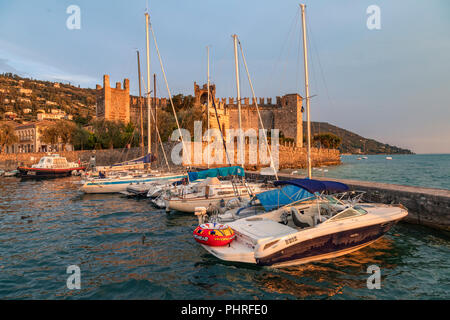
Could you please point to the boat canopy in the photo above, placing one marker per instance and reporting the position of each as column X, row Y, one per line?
column 314, row 186
column 144, row 159
column 217, row 172
column 276, row 198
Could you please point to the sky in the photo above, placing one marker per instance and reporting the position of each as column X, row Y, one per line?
column 390, row 84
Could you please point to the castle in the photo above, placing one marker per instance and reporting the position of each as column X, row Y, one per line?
column 116, row 104
column 286, row 114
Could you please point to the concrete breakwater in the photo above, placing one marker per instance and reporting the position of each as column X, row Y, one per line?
column 426, row 206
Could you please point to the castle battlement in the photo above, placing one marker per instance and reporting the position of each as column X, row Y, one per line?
column 286, row 114
column 114, row 103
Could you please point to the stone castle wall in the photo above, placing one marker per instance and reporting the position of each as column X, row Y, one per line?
column 114, row 103
column 290, row 156
column 286, row 114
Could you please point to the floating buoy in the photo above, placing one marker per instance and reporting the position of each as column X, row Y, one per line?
column 214, row 234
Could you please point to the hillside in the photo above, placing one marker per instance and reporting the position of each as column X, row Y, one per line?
column 354, row 143
column 25, row 97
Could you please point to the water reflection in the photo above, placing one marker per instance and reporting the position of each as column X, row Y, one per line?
column 126, row 249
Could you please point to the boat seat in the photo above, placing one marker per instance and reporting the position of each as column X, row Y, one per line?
column 301, row 219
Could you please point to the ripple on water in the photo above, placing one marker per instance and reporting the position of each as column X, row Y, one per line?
column 128, row 250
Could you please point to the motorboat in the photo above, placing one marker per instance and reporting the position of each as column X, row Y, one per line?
column 12, row 173
column 51, row 166
column 302, row 232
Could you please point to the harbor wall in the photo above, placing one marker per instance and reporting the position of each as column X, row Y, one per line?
column 10, row 161
column 103, row 157
column 289, row 156
column 426, row 206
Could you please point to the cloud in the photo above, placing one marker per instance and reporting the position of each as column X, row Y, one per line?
column 5, row 67
column 24, row 66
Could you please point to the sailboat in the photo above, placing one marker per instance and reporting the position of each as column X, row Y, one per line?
column 121, row 181
column 212, row 193
column 300, row 222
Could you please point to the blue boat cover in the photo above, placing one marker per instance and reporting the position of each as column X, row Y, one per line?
column 314, row 186
column 217, row 172
column 273, row 199
column 144, row 159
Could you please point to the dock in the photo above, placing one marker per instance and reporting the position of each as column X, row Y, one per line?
column 426, row 206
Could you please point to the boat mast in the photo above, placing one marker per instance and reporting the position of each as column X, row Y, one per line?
column 207, row 109
column 236, row 62
column 140, row 105
column 149, row 147
column 155, row 117
column 305, row 58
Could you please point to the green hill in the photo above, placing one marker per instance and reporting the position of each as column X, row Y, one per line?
column 18, row 94
column 354, row 143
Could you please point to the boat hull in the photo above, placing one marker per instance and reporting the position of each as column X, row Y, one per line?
column 44, row 173
column 120, row 185
column 189, row 205
column 326, row 246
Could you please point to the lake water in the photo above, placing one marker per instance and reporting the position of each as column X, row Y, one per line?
column 422, row 170
column 128, row 250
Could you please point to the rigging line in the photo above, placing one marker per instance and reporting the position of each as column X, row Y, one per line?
column 285, row 64
column 314, row 49
column 297, row 68
column 221, row 133
column 157, row 130
column 320, row 66
column 294, row 23
column 170, row 95
column 257, row 109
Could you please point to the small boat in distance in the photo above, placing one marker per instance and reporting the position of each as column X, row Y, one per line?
column 50, row 167
column 11, row 173
column 388, row 158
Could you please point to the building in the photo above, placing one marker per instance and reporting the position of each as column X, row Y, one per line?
column 26, row 91
column 29, row 139
column 113, row 103
column 286, row 114
column 116, row 104
column 9, row 115
column 54, row 115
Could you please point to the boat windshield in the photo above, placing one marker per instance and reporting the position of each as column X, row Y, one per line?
column 349, row 213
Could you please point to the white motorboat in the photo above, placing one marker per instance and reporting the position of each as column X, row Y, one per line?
column 49, row 167
column 303, row 232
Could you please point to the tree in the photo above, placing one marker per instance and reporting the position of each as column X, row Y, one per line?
column 327, row 140
column 50, row 135
column 65, row 131
column 7, row 135
column 82, row 139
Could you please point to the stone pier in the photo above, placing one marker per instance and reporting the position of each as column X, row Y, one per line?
column 426, row 206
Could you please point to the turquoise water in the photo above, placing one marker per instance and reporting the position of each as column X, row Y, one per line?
column 128, row 250
column 422, row 170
